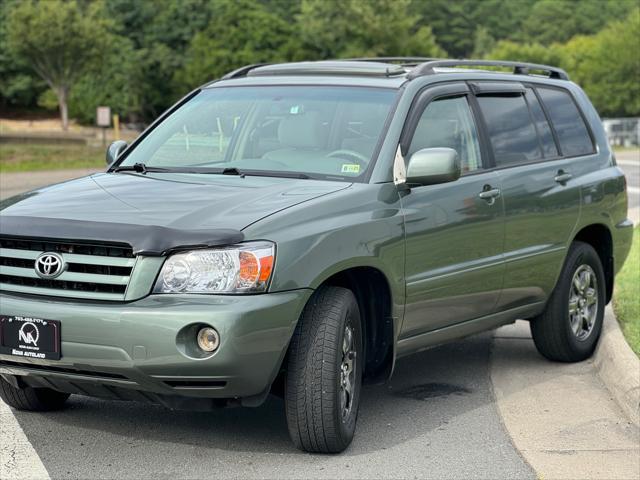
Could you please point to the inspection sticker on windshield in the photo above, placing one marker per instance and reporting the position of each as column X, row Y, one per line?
column 350, row 168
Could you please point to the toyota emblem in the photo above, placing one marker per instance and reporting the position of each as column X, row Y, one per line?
column 49, row 265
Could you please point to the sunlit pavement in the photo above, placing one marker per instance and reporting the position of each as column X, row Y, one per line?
column 436, row 419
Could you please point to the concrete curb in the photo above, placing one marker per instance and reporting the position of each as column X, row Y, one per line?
column 618, row 367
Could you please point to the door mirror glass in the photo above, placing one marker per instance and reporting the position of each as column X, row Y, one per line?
column 114, row 150
column 430, row 166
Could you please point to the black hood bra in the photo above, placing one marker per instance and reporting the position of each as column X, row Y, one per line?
column 151, row 240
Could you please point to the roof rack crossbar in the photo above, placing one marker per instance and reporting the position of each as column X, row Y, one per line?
column 330, row 67
column 400, row 60
column 242, row 71
column 519, row 68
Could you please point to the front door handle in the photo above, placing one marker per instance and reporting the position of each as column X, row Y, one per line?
column 562, row 177
column 489, row 194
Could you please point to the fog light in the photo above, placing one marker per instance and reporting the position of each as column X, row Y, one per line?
column 208, row 339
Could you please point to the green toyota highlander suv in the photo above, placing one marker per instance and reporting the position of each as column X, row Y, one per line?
column 296, row 228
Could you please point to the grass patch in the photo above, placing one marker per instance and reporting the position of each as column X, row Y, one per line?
column 16, row 157
column 618, row 148
column 626, row 300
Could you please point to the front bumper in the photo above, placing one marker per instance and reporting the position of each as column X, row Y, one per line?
column 133, row 350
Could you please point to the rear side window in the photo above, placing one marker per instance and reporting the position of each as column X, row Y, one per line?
column 547, row 143
column 568, row 123
column 511, row 130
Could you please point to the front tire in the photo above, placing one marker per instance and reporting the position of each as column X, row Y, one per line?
column 31, row 399
column 324, row 373
column 569, row 328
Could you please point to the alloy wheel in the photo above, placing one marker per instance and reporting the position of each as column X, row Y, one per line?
column 583, row 302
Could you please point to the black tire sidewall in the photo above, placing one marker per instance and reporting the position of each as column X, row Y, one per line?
column 312, row 382
column 32, row 399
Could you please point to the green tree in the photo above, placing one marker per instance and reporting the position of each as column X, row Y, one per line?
column 483, row 43
column 456, row 23
column 355, row 28
column 115, row 81
column 607, row 66
column 18, row 86
column 528, row 52
column 240, row 32
column 553, row 21
column 59, row 39
column 160, row 32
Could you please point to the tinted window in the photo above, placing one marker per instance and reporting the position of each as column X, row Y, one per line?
column 572, row 132
column 544, row 131
column 448, row 122
column 511, row 129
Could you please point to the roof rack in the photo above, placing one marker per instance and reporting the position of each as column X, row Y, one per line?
column 329, row 67
column 405, row 61
column 242, row 71
column 519, row 68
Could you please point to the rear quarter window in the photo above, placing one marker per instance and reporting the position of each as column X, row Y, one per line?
column 511, row 130
column 544, row 131
column 569, row 125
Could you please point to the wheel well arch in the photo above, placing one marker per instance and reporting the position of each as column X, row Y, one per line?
column 599, row 237
column 374, row 297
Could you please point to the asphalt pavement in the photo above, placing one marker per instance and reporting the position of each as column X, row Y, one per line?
column 436, row 419
column 629, row 162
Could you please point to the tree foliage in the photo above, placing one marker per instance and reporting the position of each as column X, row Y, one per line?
column 455, row 23
column 58, row 39
column 240, row 32
column 606, row 65
column 18, row 85
column 140, row 56
column 553, row 21
column 351, row 28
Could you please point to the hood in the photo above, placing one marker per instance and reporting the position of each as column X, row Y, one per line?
column 154, row 204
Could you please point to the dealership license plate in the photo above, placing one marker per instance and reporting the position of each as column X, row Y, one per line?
column 30, row 337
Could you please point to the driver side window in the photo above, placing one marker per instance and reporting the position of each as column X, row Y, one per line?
column 448, row 122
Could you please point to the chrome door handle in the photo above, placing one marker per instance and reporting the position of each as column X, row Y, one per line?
column 562, row 177
column 489, row 194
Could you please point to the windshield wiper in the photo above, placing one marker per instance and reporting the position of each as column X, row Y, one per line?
column 232, row 171
column 141, row 168
column 260, row 173
column 275, row 173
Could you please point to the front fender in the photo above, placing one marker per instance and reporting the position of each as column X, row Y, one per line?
column 361, row 226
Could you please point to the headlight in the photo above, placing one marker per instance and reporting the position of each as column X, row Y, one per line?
column 243, row 268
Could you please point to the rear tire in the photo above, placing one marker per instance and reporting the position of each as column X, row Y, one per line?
column 324, row 373
column 569, row 328
column 31, row 399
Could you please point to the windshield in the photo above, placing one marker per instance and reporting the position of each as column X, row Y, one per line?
column 317, row 131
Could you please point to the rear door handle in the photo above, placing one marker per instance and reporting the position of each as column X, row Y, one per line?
column 489, row 194
column 562, row 177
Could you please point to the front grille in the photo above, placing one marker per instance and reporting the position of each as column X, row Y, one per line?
column 97, row 272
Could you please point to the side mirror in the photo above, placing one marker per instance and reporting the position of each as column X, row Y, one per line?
column 114, row 150
column 430, row 166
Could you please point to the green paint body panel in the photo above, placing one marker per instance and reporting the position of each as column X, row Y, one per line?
column 454, row 265
column 103, row 337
